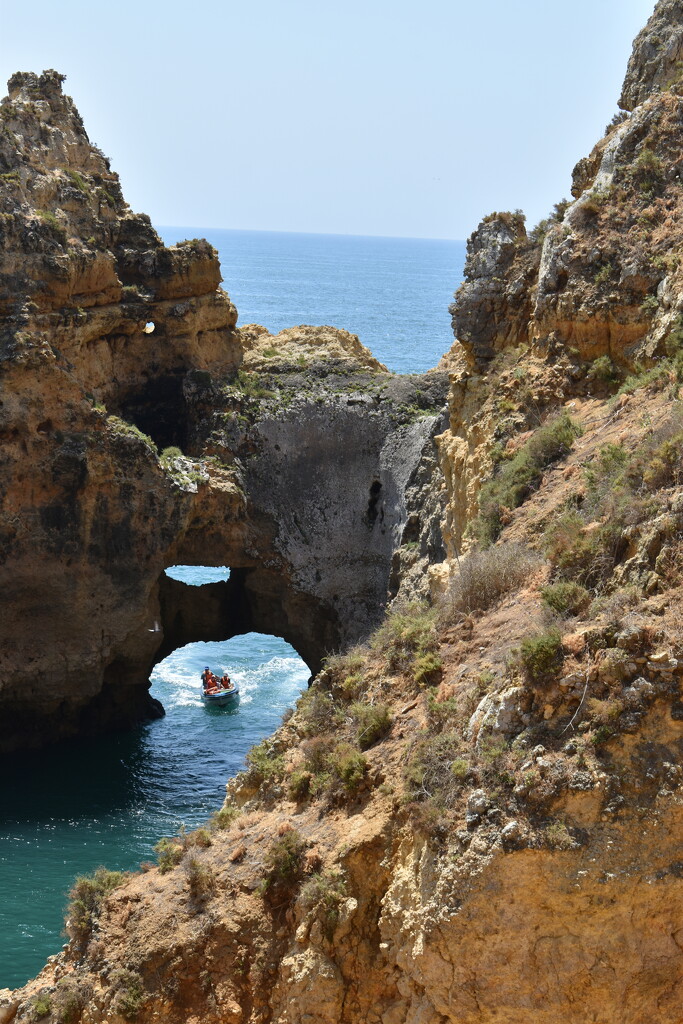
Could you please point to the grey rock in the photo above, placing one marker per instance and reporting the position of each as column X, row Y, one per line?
column 657, row 49
column 513, row 835
column 478, row 802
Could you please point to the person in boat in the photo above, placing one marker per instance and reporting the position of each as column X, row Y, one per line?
column 210, row 681
column 226, row 682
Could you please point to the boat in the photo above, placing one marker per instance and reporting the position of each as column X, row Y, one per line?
column 221, row 698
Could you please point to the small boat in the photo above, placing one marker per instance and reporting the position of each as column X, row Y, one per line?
column 222, row 697
column 217, row 700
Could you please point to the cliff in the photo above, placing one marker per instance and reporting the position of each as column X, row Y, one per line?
column 137, row 434
column 473, row 815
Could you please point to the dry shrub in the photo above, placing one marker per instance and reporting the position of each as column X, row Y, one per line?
column 200, row 877
column 283, row 863
column 317, row 712
column 324, row 894
column 437, row 770
column 86, row 900
column 604, row 712
column 670, row 563
column 614, row 607
column 407, row 632
column 485, row 576
column 558, row 836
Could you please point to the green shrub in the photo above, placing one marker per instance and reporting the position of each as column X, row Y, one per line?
column 521, row 475
column 200, row 837
column 647, row 170
column 439, row 712
column 406, row 632
column 130, row 993
column 125, row 429
column 86, row 899
column 602, row 370
column 602, row 277
column 348, row 767
column 248, row 384
column 541, row 655
column 324, row 894
column 460, row 769
column 299, row 784
column 649, row 305
column 373, row 722
column 41, row 1006
column 264, row 763
column 224, row 817
column 427, row 669
column 602, row 735
column 284, row 862
column 566, row 598
column 169, row 853
column 172, row 452
column 346, row 671
column 577, row 553
column 48, row 218
column 79, row 182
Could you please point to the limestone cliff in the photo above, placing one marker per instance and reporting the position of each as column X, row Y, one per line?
column 115, row 348
column 474, row 815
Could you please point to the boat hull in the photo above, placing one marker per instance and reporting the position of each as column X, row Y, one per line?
column 220, row 699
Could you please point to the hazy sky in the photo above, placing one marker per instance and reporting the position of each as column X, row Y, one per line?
column 364, row 117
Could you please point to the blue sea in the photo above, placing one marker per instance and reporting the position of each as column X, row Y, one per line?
column 65, row 811
column 393, row 293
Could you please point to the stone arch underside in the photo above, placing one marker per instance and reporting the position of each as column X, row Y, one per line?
column 250, row 601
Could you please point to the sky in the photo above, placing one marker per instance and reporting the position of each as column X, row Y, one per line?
column 368, row 117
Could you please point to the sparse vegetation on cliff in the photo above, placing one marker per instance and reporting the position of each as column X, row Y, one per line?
column 483, row 577
column 86, row 899
column 517, row 478
column 284, row 864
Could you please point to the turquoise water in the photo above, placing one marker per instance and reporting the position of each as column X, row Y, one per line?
column 65, row 811
column 392, row 292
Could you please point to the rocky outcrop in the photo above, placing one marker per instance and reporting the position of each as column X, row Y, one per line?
column 297, row 346
column 655, row 63
column 606, row 281
column 492, row 307
column 291, row 470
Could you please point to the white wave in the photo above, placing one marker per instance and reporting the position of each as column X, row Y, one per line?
column 176, row 681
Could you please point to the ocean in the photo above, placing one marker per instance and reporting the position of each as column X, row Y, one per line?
column 393, row 293
column 68, row 810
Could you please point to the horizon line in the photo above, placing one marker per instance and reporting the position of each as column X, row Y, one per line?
column 321, row 234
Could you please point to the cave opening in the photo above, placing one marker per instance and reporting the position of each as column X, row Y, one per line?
column 203, row 625
column 158, row 409
column 373, row 502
